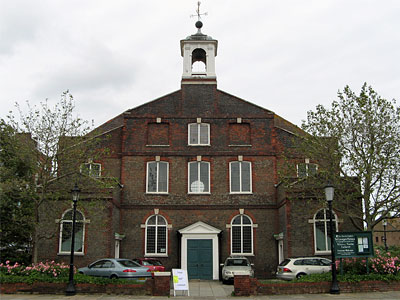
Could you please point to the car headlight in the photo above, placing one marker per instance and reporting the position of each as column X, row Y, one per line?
column 227, row 272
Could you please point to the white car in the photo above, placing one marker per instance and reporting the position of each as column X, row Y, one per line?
column 236, row 264
column 292, row 268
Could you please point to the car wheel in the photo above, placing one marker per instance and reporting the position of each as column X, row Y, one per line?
column 113, row 276
column 300, row 275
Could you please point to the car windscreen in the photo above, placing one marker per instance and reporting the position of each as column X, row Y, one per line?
column 237, row 262
column 128, row 263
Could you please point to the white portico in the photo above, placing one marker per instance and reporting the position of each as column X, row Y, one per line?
column 199, row 251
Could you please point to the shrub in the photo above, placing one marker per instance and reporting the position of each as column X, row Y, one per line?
column 51, row 269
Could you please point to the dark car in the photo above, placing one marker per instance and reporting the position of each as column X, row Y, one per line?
column 153, row 264
column 116, row 268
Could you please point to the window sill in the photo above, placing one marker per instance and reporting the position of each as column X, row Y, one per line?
column 155, row 193
column 241, row 193
column 68, row 254
column 323, row 252
column 199, row 145
column 242, row 254
column 192, row 193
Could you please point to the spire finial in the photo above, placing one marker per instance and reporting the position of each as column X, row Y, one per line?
column 199, row 24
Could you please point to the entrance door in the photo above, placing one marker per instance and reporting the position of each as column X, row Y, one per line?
column 200, row 259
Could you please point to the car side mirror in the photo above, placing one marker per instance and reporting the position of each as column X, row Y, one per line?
column 221, row 265
column 252, row 265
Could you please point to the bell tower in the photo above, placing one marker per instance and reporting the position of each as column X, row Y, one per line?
column 199, row 52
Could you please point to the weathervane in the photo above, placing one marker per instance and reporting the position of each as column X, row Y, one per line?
column 198, row 14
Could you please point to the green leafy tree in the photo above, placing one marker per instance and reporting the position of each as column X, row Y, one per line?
column 356, row 143
column 16, row 191
column 61, row 144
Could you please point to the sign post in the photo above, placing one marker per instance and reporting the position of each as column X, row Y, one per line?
column 180, row 280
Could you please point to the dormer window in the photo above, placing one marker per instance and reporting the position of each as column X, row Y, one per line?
column 306, row 169
column 92, row 169
column 199, row 134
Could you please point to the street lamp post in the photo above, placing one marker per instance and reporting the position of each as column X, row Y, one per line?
column 70, row 291
column 384, row 223
column 329, row 192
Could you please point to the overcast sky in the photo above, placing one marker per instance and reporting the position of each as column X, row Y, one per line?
column 286, row 56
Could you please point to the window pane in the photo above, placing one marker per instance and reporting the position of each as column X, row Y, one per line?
column 162, row 177
column 237, row 220
column 247, row 239
column 235, row 179
column 152, row 220
column 161, row 221
column 95, row 170
column 193, row 134
column 236, row 239
column 204, row 134
column 204, row 174
column 312, row 169
column 161, row 239
column 152, row 177
column 193, row 177
column 151, row 239
column 320, row 236
column 246, row 177
column 246, row 220
column 68, row 215
column 301, row 170
column 66, row 236
column 85, row 169
column 78, row 246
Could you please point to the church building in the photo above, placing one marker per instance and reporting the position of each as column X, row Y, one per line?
column 198, row 181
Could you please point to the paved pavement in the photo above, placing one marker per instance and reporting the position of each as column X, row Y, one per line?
column 210, row 290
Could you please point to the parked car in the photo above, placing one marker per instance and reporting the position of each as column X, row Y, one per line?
column 116, row 268
column 153, row 264
column 292, row 268
column 234, row 264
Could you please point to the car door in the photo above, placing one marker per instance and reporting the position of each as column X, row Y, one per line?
column 95, row 268
column 107, row 268
column 325, row 265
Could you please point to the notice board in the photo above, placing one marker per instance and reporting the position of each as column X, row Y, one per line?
column 180, row 280
column 353, row 244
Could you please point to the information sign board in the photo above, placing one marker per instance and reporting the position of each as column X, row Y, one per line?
column 353, row 244
column 180, row 280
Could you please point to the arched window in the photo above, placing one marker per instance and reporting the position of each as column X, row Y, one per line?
column 66, row 232
column 322, row 230
column 156, row 236
column 241, row 235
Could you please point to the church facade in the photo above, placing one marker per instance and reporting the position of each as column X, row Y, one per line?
column 198, row 181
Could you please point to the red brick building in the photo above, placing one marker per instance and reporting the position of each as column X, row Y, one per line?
column 198, row 181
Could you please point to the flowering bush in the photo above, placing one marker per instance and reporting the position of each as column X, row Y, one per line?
column 51, row 269
column 383, row 263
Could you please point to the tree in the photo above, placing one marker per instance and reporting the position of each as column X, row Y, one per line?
column 62, row 145
column 357, row 145
column 16, row 190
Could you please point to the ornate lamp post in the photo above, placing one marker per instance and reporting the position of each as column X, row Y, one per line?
column 70, row 291
column 384, row 223
column 329, row 192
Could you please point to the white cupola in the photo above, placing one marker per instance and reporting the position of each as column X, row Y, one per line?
column 199, row 52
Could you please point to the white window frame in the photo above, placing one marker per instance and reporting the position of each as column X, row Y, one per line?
column 62, row 222
column 90, row 164
column 251, row 225
column 307, row 168
column 158, row 174
column 198, row 176
column 240, row 178
column 198, row 134
column 155, row 254
column 325, row 220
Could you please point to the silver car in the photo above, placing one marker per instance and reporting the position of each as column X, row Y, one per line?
column 116, row 268
column 292, row 268
column 236, row 264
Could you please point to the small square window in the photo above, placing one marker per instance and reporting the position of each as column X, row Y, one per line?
column 91, row 169
column 306, row 169
column 199, row 134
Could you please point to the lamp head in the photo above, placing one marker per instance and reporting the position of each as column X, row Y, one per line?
column 384, row 222
column 75, row 193
column 329, row 192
